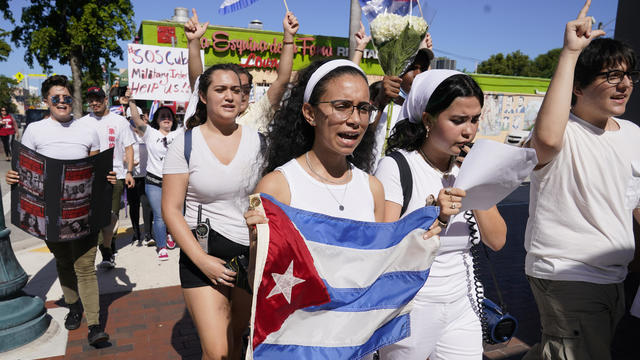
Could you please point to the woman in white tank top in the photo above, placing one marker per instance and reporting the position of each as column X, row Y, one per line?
column 318, row 157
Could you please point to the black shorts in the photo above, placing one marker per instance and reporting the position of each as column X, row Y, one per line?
column 219, row 246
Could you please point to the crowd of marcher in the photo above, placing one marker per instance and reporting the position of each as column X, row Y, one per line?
column 331, row 143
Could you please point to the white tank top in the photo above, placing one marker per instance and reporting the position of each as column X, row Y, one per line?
column 309, row 194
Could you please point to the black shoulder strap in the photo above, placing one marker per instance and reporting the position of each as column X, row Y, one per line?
column 187, row 145
column 263, row 142
column 406, row 180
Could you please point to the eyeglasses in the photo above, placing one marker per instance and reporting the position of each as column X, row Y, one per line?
column 615, row 77
column 165, row 142
column 344, row 108
column 65, row 99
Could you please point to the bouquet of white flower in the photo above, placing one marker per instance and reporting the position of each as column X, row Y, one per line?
column 396, row 33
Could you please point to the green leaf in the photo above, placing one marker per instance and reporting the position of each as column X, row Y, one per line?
column 397, row 54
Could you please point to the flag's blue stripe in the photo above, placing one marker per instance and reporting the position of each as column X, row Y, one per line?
column 356, row 234
column 392, row 332
column 235, row 6
column 391, row 290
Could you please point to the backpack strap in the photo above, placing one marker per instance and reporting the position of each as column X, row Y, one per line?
column 187, row 145
column 406, row 180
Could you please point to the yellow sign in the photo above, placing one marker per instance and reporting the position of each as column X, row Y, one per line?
column 18, row 76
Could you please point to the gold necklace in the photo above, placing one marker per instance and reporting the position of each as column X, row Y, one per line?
column 426, row 159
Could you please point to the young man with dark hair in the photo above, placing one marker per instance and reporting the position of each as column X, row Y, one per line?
column 114, row 132
column 585, row 194
column 60, row 136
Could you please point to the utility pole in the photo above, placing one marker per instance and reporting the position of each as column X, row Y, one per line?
column 354, row 25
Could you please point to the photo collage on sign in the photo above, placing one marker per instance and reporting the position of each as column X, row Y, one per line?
column 30, row 199
column 76, row 200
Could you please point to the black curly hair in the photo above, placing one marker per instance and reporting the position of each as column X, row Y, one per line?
column 410, row 136
column 154, row 122
column 289, row 135
column 200, row 116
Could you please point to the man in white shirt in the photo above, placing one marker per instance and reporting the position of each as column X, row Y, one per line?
column 585, row 194
column 114, row 132
column 62, row 137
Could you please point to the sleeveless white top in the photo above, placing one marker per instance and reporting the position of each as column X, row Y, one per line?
column 309, row 194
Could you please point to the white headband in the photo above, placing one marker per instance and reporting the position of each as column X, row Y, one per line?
column 422, row 88
column 322, row 71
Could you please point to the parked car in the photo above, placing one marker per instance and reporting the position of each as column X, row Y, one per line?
column 34, row 115
column 517, row 137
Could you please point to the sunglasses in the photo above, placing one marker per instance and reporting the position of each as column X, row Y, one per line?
column 64, row 99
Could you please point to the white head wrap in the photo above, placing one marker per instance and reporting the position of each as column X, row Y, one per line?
column 322, row 71
column 422, row 88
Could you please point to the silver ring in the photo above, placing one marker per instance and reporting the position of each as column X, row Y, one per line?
column 453, row 205
column 219, row 279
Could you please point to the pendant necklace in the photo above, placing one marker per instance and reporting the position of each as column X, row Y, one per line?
column 443, row 174
column 325, row 181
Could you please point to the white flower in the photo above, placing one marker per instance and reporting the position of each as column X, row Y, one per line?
column 387, row 26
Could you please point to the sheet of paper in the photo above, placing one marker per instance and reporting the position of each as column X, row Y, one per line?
column 491, row 171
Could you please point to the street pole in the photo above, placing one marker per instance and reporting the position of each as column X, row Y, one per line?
column 354, row 25
column 23, row 318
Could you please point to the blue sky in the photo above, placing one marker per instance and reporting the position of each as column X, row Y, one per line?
column 468, row 31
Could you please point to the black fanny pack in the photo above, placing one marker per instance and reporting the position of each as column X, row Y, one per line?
column 153, row 180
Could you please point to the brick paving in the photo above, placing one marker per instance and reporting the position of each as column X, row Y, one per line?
column 145, row 324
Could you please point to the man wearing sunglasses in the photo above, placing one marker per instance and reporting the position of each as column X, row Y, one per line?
column 60, row 136
column 585, row 194
column 114, row 132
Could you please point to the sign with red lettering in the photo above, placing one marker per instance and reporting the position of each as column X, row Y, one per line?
column 159, row 73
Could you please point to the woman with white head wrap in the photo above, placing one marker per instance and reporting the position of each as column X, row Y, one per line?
column 442, row 113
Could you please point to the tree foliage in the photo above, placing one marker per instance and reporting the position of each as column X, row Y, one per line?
column 7, row 92
column 5, row 48
column 81, row 33
column 519, row 64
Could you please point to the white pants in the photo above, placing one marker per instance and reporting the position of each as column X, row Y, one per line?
column 440, row 331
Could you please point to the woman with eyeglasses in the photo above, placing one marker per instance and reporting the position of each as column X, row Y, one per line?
column 157, row 136
column 8, row 128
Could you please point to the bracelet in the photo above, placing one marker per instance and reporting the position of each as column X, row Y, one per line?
column 442, row 223
column 362, row 51
column 288, row 42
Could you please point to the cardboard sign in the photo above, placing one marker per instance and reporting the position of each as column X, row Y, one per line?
column 60, row 200
column 158, row 73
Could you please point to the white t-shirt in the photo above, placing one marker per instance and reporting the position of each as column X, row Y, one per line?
column 580, row 225
column 140, row 156
column 64, row 141
column 222, row 190
column 114, row 132
column 448, row 277
column 157, row 146
column 309, row 194
column 381, row 129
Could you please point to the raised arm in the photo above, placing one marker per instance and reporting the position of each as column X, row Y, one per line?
column 135, row 114
column 362, row 39
column 276, row 90
column 194, row 30
column 553, row 116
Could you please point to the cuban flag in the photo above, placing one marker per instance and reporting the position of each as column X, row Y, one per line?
column 332, row 288
column 229, row 6
column 154, row 107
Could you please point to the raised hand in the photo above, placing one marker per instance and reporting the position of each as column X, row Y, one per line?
column 427, row 42
column 193, row 29
column 290, row 24
column 362, row 39
column 578, row 33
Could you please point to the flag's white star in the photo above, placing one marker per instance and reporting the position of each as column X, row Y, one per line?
column 284, row 283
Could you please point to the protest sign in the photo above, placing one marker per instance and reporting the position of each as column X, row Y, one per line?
column 158, row 73
column 60, row 200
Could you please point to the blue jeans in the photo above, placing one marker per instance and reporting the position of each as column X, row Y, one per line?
column 154, row 193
